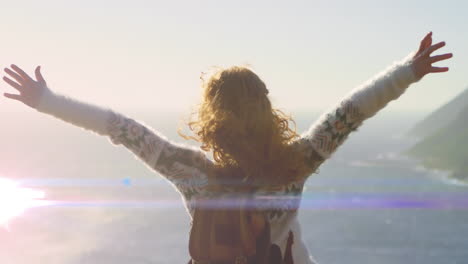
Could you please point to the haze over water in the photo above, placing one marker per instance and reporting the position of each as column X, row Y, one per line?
column 365, row 205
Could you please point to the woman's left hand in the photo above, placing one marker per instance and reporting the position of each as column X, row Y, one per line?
column 422, row 60
column 30, row 90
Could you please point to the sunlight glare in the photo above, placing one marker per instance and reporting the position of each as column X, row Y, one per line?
column 14, row 200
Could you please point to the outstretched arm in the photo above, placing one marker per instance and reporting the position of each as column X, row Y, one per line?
column 182, row 165
column 334, row 126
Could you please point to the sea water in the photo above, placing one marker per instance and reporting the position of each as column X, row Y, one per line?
column 367, row 204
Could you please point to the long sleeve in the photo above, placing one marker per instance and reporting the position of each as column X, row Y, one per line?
column 333, row 127
column 184, row 166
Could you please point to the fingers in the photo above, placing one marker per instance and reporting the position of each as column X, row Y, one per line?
column 13, row 83
column 21, row 73
column 434, row 47
column 428, row 39
column 426, row 42
column 422, row 60
column 440, row 57
column 421, row 46
column 14, row 75
column 439, row 69
column 39, row 77
column 13, row 96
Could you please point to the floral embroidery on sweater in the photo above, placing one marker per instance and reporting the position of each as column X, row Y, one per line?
column 333, row 128
column 183, row 166
column 286, row 201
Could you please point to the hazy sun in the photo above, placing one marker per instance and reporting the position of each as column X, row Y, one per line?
column 14, row 200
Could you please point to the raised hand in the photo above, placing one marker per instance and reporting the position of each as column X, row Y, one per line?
column 30, row 90
column 422, row 60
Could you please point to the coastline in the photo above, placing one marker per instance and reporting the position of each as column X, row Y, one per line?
column 446, row 175
column 400, row 159
column 423, row 164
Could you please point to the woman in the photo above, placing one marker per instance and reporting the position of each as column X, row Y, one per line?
column 252, row 143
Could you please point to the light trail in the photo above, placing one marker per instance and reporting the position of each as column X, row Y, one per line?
column 322, row 202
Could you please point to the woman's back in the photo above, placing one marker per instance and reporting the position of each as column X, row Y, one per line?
column 192, row 172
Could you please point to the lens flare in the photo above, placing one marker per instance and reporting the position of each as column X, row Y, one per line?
column 14, row 200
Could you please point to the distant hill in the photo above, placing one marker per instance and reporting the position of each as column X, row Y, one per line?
column 441, row 117
column 447, row 147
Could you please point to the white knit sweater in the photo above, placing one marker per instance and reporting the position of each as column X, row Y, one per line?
column 185, row 166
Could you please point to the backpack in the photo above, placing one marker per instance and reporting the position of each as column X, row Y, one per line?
column 234, row 234
column 233, row 229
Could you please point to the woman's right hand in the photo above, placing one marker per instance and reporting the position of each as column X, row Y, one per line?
column 30, row 90
column 422, row 60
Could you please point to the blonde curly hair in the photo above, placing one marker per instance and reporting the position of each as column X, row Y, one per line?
column 248, row 137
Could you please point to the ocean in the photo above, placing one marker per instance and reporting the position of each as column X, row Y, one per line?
column 367, row 204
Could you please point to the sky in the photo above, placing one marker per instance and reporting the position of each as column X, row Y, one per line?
column 149, row 54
